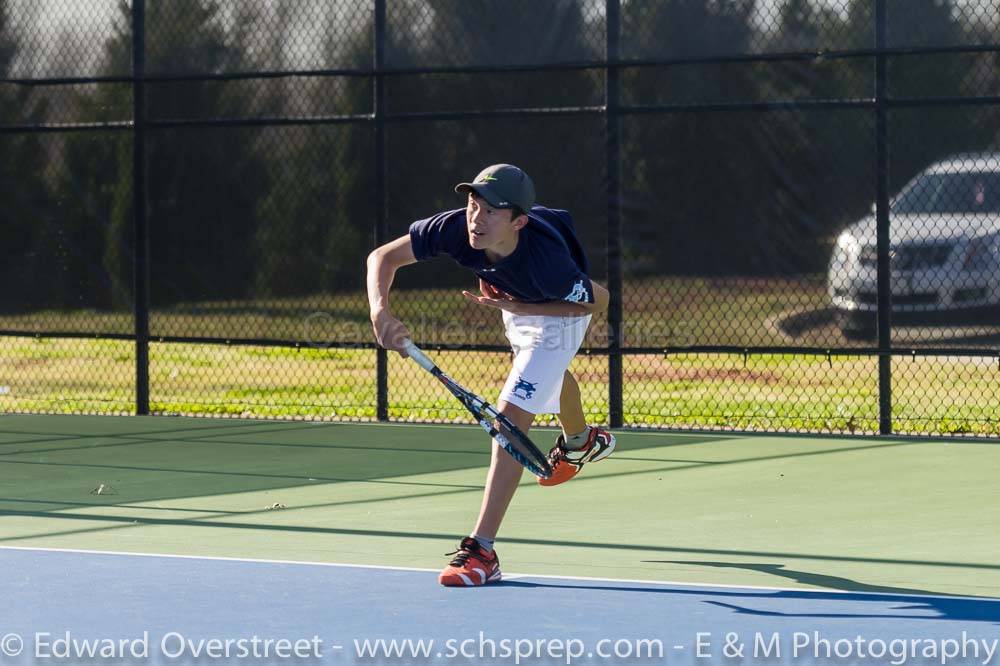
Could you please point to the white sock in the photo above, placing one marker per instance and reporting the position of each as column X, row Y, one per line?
column 484, row 543
column 578, row 440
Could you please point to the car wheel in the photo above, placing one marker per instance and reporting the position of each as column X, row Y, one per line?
column 858, row 326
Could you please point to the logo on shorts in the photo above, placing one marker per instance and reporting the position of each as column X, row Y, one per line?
column 524, row 390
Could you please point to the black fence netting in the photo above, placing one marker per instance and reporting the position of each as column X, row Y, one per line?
column 795, row 204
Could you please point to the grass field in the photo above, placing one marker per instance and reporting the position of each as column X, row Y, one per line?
column 659, row 312
column 780, row 393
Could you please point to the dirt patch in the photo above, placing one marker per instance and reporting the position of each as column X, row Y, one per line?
column 669, row 373
column 22, row 363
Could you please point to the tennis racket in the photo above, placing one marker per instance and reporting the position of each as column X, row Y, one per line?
column 500, row 428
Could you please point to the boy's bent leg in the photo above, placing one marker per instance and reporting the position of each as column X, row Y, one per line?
column 570, row 415
column 503, row 476
column 578, row 444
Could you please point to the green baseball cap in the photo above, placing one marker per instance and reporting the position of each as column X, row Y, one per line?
column 503, row 186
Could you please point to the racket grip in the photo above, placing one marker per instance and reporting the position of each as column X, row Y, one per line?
column 414, row 352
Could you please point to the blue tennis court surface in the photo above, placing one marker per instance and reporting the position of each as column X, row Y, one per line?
column 169, row 610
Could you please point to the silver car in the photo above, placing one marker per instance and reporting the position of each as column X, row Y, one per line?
column 944, row 250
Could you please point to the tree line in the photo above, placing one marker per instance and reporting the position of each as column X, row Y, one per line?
column 257, row 212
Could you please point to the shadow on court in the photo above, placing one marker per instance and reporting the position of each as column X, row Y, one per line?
column 50, row 473
column 50, row 467
column 921, row 605
column 208, row 487
column 55, row 463
column 214, row 522
column 803, row 577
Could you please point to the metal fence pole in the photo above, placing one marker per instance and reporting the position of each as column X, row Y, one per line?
column 140, row 222
column 884, row 266
column 612, row 119
column 381, row 214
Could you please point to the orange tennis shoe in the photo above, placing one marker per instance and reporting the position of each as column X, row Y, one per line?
column 472, row 566
column 567, row 463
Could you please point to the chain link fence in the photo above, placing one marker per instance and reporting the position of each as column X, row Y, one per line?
column 795, row 204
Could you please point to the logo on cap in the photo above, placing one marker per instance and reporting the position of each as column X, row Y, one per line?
column 487, row 179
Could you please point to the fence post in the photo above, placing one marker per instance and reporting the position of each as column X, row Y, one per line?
column 884, row 266
column 612, row 120
column 140, row 277
column 381, row 214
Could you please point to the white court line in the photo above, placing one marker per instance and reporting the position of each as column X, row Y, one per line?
column 513, row 576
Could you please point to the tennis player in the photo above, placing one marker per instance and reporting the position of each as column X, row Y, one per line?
column 532, row 268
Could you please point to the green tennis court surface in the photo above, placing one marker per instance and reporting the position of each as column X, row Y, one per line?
column 863, row 515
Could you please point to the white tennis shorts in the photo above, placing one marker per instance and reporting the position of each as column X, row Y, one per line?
column 543, row 348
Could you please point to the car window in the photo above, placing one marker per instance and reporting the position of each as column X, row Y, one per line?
column 951, row 193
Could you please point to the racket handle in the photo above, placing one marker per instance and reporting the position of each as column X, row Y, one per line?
column 414, row 352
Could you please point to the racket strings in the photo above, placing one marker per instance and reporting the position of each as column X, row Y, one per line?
column 526, row 455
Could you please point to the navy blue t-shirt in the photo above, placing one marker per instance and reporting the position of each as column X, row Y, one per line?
column 548, row 263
